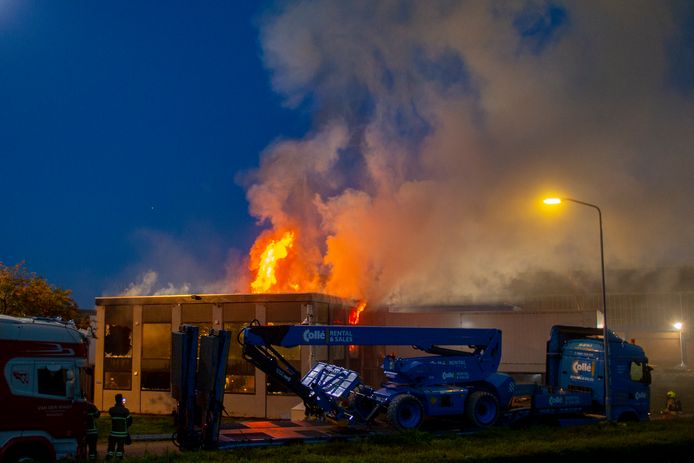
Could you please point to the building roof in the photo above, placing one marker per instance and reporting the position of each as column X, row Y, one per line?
column 223, row 298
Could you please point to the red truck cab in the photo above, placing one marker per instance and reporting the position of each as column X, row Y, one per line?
column 42, row 410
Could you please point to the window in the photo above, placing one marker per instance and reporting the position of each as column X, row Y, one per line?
column 52, row 380
column 293, row 356
column 240, row 377
column 156, row 357
column 118, row 343
column 155, row 374
column 640, row 372
column 199, row 315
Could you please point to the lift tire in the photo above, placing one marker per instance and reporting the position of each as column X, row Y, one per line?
column 482, row 409
column 405, row 412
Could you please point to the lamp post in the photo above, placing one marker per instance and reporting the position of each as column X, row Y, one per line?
column 606, row 343
column 678, row 326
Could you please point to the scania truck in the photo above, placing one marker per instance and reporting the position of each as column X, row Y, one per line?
column 42, row 412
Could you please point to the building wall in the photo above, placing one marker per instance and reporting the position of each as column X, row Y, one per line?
column 150, row 320
column 523, row 345
column 524, row 335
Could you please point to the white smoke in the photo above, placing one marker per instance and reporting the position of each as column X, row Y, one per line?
column 148, row 286
column 182, row 265
column 440, row 125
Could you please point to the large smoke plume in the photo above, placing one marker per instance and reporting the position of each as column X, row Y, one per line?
column 438, row 127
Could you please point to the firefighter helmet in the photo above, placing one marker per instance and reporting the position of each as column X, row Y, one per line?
column 671, row 394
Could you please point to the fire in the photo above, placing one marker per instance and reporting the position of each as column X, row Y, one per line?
column 355, row 313
column 280, row 261
column 266, row 275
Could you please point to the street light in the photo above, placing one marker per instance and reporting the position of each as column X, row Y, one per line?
column 606, row 344
column 678, row 326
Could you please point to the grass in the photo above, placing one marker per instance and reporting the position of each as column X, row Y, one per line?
column 142, row 424
column 660, row 441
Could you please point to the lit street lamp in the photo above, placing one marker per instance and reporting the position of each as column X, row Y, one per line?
column 678, row 326
column 606, row 344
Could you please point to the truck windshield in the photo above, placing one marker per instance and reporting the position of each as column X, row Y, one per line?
column 52, row 380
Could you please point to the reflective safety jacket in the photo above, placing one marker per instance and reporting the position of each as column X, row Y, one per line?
column 120, row 420
column 92, row 414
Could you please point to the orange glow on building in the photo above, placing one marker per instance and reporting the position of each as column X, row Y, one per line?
column 356, row 313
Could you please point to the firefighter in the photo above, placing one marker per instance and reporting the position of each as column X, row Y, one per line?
column 92, row 434
column 672, row 404
column 120, row 421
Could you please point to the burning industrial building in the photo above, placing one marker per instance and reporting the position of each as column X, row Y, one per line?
column 413, row 198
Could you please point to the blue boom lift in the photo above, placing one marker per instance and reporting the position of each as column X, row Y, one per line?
column 446, row 382
column 456, row 382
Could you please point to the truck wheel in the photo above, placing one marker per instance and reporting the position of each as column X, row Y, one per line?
column 482, row 409
column 405, row 412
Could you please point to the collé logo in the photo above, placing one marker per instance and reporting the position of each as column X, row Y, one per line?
column 582, row 367
column 313, row 335
column 318, row 336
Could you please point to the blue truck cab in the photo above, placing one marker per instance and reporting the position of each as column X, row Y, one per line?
column 575, row 379
column 582, row 368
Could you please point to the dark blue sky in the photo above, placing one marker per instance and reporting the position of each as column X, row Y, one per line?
column 118, row 117
column 130, row 132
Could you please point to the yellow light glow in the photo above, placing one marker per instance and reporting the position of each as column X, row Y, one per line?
column 552, row 201
column 678, row 325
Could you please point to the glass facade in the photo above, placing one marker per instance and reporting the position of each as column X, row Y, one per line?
column 118, row 348
column 156, row 348
column 240, row 377
column 283, row 314
column 137, row 355
column 292, row 355
column 156, row 356
column 199, row 315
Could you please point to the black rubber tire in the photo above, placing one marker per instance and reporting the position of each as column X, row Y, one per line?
column 405, row 412
column 482, row 409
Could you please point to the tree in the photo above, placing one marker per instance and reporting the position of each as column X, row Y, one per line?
column 25, row 294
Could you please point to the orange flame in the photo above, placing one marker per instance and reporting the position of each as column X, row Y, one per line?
column 280, row 262
column 266, row 275
column 355, row 313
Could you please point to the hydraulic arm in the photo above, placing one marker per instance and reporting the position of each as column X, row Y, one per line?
column 325, row 387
